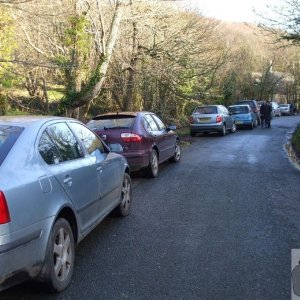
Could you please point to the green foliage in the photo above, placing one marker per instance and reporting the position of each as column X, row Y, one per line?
column 188, row 83
column 62, row 61
column 296, row 140
column 3, row 104
column 189, row 106
column 77, row 36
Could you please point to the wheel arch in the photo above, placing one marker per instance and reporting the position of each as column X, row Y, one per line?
column 156, row 149
column 68, row 214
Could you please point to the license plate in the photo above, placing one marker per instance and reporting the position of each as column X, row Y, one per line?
column 203, row 119
column 239, row 122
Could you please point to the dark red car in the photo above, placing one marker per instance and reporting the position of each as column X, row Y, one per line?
column 145, row 138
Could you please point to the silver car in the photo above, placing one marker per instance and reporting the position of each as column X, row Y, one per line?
column 58, row 181
column 211, row 118
column 276, row 112
column 286, row 109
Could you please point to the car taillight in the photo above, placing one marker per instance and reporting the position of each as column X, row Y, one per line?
column 4, row 213
column 219, row 119
column 191, row 120
column 131, row 138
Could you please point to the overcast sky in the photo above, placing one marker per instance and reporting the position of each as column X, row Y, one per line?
column 231, row 10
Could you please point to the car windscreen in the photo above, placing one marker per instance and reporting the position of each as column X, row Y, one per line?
column 111, row 122
column 207, row 110
column 283, row 105
column 8, row 136
column 238, row 110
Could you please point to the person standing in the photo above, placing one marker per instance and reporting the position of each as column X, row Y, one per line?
column 262, row 114
column 268, row 114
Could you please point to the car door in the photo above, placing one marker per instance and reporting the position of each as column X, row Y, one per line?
column 74, row 171
column 156, row 135
column 108, row 167
column 227, row 116
column 169, row 142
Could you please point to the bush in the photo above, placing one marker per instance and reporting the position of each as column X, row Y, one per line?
column 189, row 106
column 3, row 104
column 296, row 141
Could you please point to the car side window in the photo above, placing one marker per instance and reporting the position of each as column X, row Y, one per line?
column 48, row 150
column 65, row 141
column 91, row 142
column 159, row 122
column 150, row 124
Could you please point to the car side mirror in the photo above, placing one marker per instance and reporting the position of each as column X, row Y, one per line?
column 115, row 147
column 171, row 127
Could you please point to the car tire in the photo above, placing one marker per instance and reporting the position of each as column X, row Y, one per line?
column 152, row 169
column 60, row 256
column 123, row 209
column 177, row 155
column 233, row 129
column 223, row 131
column 252, row 125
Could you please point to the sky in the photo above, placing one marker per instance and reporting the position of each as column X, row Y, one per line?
column 231, row 10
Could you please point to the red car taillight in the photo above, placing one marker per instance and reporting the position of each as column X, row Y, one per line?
column 219, row 119
column 4, row 213
column 131, row 138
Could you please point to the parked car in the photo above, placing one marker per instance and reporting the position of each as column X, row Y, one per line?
column 243, row 115
column 254, row 106
column 287, row 109
column 58, row 181
column 146, row 139
column 211, row 118
column 276, row 112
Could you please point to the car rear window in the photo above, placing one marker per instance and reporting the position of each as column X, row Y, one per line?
column 206, row 110
column 111, row 122
column 251, row 103
column 238, row 109
column 8, row 136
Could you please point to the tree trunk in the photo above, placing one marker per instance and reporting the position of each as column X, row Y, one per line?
column 87, row 95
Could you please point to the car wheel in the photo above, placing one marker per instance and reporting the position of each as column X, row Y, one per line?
column 223, row 131
column 233, row 129
column 60, row 256
column 123, row 208
column 255, row 123
column 252, row 125
column 152, row 169
column 177, row 155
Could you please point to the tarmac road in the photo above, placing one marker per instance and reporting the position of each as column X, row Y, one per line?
column 220, row 224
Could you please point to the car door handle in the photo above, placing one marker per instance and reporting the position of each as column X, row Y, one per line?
column 99, row 169
column 68, row 180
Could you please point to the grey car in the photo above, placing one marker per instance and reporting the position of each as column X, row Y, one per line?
column 58, row 181
column 211, row 118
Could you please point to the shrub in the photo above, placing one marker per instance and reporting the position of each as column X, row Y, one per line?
column 296, row 141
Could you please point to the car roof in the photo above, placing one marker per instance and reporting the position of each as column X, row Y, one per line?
column 210, row 105
column 247, row 101
column 247, row 105
column 27, row 121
